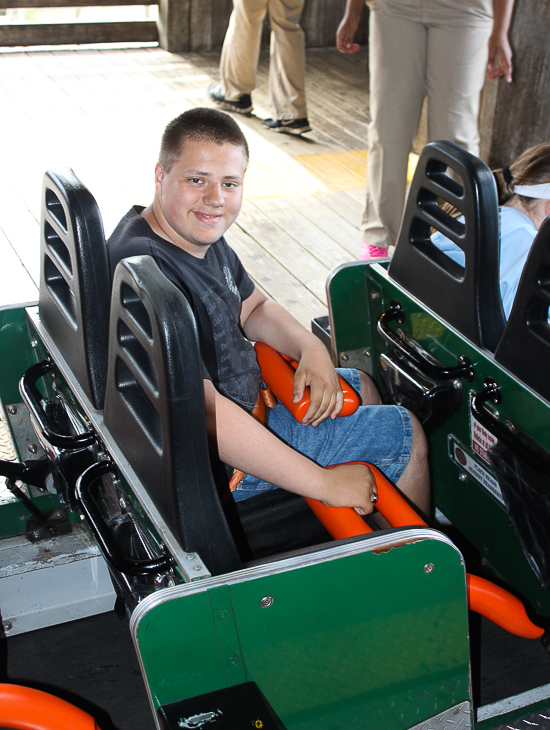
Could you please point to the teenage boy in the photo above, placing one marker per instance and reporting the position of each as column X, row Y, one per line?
column 198, row 195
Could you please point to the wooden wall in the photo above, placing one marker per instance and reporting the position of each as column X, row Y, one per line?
column 522, row 108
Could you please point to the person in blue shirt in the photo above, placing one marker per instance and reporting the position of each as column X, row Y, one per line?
column 524, row 199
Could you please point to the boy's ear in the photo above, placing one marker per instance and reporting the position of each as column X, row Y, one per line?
column 159, row 174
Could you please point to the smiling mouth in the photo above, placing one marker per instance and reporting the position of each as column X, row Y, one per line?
column 208, row 217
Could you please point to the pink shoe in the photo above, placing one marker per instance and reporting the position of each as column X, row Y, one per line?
column 372, row 252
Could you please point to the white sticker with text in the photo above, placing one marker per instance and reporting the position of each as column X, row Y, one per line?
column 464, row 460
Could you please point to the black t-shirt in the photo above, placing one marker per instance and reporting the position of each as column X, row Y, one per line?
column 215, row 287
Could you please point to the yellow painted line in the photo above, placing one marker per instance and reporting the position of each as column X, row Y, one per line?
column 329, row 167
column 413, row 159
column 354, row 161
column 345, row 170
column 275, row 173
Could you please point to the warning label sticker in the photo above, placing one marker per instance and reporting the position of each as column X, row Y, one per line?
column 482, row 440
column 461, row 457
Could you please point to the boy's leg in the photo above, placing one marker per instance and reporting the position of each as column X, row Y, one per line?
column 414, row 483
column 415, row 480
column 386, row 436
column 370, row 395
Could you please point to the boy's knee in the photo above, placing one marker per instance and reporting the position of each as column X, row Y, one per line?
column 370, row 395
column 419, row 440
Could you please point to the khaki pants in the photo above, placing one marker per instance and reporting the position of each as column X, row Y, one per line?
column 241, row 48
column 409, row 60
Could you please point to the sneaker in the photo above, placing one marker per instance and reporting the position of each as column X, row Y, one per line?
column 288, row 126
column 368, row 252
column 242, row 105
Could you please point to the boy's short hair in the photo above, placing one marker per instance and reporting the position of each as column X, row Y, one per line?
column 199, row 125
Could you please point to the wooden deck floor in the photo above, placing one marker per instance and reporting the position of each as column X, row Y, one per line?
column 102, row 112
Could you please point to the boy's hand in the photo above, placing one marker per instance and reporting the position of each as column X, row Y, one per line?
column 350, row 485
column 316, row 370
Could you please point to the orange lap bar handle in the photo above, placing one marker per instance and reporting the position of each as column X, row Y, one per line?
column 484, row 597
column 278, row 373
column 23, row 708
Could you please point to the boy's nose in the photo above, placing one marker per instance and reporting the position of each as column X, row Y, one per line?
column 214, row 196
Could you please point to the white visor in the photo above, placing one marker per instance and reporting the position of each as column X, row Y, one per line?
column 534, row 191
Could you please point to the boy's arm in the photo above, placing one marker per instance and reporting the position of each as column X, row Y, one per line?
column 245, row 444
column 263, row 320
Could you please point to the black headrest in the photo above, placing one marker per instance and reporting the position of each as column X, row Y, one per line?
column 155, row 410
column 524, row 348
column 468, row 299
column 75, row 283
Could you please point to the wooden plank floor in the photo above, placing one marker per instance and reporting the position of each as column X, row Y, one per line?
column 102, row 112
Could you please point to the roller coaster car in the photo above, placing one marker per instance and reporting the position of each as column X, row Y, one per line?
column 232, row 628
column 433, row 335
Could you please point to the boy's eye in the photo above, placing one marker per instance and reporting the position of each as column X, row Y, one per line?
column 230, row 185
column 195, row 179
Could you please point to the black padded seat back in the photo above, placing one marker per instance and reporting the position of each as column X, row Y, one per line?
column 75, row 283
column 155, row 410
column 467, row 298
column 524, row 348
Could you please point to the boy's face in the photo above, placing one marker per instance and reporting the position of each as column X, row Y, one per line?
column 201, row 195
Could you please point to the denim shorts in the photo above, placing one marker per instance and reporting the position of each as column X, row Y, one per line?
column 381, row 435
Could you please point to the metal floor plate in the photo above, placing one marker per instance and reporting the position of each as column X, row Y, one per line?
column 455, row 718
column 539, row 720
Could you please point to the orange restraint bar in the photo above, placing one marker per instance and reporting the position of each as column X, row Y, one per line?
column 484, row 597
column 278, row 373
column 23, row 708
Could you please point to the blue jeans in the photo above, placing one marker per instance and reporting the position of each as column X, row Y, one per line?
column 381, row 435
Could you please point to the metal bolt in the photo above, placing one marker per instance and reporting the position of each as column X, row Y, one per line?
column 344, row 356
column 189, row 556
column 266, row 601
column 223, row 614
column 7, row 626
column 232, row 661
column 462, row 477
column 429, row 568
column 366, row 352
column 32, row 448
column 34, row 342
column 12, row 410
column 197, row 567
column 374, row 295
